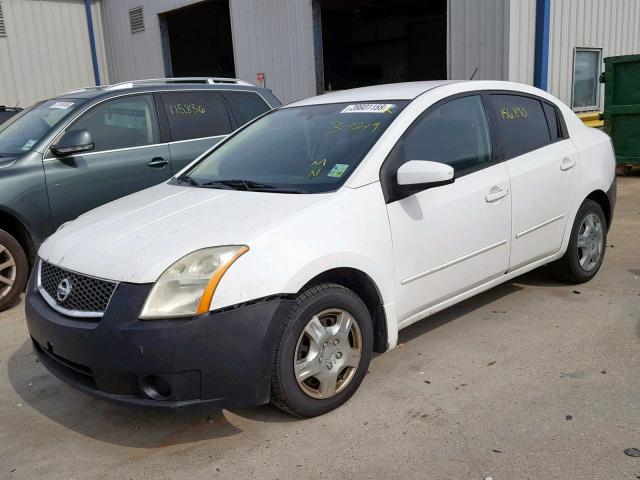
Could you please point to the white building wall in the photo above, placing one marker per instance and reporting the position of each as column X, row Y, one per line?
column 478, row 37
column 612, row 25
column 275, row 37
column 46, row 50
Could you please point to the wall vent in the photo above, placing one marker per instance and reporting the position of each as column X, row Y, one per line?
column 136, row 20
column 3, row 31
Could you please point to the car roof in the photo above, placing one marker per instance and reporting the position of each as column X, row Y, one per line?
column 389, row 91
column 153, row 85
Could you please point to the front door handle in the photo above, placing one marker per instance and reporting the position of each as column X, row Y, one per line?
column 158, row 162
column 495, row 194
column 567, row 163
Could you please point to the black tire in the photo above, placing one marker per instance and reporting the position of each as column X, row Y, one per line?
column 286, row 394
column 568, row 268
column 16, row 253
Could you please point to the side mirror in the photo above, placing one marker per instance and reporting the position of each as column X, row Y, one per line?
column 417, row 175
column 73, row 141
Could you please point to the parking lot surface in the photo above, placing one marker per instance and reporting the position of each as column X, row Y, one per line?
column 532, row 379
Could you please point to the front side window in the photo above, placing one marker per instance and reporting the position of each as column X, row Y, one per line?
column 455, row 133
column 586, row 74
column 196, row 114
column 121, row 123
column 22, row 133
column 308, row 149
column 522, row 124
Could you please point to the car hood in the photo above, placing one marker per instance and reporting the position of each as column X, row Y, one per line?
column 136, row 238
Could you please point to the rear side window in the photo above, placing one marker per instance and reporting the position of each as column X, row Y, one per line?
column 196, row 115
column 122, row 123
column 246, row 105
column 552, row 120
column 522, row 124
column 455, row 133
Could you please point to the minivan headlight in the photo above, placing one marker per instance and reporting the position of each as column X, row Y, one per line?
column 186, row 288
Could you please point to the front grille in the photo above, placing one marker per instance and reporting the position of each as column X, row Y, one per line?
column 85, row 294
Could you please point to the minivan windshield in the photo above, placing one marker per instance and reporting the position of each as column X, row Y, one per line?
column 21, row 133
column 307, row 149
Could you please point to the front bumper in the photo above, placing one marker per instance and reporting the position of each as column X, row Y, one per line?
column 218, row 360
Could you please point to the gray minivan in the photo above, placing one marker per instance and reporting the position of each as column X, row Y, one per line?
column 67, row 155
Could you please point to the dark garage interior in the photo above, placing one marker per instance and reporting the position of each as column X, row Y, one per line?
column 368, row 42
column 197, row 40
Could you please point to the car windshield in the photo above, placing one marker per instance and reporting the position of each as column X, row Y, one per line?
column 308, row 149
column 21, row 133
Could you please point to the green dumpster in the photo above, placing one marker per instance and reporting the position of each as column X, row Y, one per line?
column 622, row 108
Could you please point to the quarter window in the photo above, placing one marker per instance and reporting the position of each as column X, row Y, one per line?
column 246, row 105
column 552, row 121
column 455, row 133
column 522, row 124
column 196, row 115
column 121, row 123
column 586, row 73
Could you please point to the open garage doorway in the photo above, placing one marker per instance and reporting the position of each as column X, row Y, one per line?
column 369, row 42
column 196, row 40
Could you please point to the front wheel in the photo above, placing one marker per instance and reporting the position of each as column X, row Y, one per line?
column 586, row 248
column 13, row 269
column 323, row 352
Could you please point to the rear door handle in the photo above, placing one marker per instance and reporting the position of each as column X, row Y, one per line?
column 158, row 162
column 567, row 163
column 495, row 194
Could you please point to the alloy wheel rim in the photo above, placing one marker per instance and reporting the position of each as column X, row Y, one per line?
column 327, row 353
column 590, row 242
column 8, row 271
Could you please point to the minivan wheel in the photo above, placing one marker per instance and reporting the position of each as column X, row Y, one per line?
column 586, row 248
column 13, row 269
column 323, row 352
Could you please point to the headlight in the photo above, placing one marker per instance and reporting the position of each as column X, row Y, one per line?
column 186, row 288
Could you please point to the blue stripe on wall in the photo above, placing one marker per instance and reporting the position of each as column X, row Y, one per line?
column 92, row 42
column 541, row 61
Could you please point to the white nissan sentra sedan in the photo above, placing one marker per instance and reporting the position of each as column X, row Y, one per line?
column 273, row 266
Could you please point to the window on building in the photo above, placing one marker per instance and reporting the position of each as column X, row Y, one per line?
column 522, row 123
column 586, row 79
column 123, row 123
column 455, row 133
column 196, row 114
column 246, row 105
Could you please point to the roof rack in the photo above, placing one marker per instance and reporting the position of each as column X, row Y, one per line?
column 155, row 81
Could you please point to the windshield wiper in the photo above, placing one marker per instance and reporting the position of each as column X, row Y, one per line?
column 250, row 185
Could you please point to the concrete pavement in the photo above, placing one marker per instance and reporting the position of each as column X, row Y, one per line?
column 531, row 380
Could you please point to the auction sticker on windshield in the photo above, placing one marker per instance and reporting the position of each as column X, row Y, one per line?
column 62, row 105
column 337, row 170
column 369, row 108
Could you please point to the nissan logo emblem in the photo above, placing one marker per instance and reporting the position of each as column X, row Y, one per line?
column 64, row 290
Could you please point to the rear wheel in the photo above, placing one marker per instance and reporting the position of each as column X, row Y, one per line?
column 586, row 248
column 323, row 352
column 13, row 269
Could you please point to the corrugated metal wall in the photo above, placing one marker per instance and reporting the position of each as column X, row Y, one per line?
column 478, row 38
column 46, row 50
column 522, row 37
column 270, row 36
column 275, row 37
column 613, row 25
column 137, row 55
